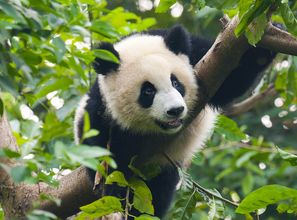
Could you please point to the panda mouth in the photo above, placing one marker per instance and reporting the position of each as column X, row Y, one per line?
column 170, row 124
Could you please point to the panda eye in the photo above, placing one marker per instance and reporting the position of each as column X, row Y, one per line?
column 177, row 85
column 147, row 95
column 148, row 89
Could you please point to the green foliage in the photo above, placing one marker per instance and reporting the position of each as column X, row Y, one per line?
column 288, row 17
column 45, row 59
column 101, row 207
column 164, row 5
column 229, row 129
column 291, row 158
column 142, row 198
column 252, row 11
column 1, row 108
column 267, row 195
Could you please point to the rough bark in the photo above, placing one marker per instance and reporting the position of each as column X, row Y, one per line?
column 76, row 189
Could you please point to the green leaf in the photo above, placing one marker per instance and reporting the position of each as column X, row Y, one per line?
column 289, row 18
column 245, row 158
column 291, row 158
column 1, row 108
column 101, row 207
column 247, row 183
column 11, row 11
column 87, row 125
column 104, row 29
column 40, row 215
column 86, row 151
column 142, row 196
column 244, row 6
column 105, row 55
column 257, row 9
column 20, row 173
column 144, row 170
column 146, row 217
column 229, row 129
column 62, row 83
column 164, row 5
column 255, row 30
column 60, row 48
column 216, row 207
column 117, row 177
column 9, row 153
column 90, row 133
column 264, row 196
column 185, row 205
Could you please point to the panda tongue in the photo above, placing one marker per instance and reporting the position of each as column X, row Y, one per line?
column 174, row 122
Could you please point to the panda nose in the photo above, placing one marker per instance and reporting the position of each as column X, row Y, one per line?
column 175, row 111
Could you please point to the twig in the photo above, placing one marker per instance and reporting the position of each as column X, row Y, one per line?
column 244, row 146
column 127, row 204
column 199, row 187
column 250, row 102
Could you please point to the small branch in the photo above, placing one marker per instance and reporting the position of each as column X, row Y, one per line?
column 250, row 102
column 247, row 146
column 127, row 207
column 211, row 194
column 197, row 185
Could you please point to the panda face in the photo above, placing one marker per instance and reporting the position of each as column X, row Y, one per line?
column 168, row 107
column 153, row 90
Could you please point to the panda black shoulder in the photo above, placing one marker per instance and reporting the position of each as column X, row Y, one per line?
column 93, row 104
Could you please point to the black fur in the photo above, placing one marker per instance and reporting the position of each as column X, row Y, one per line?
column 178, row 40
column 147, row 95
column 178, row 85
column 102, row 66
column 125, row 144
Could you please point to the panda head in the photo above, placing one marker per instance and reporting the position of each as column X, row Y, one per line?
column 153, row 88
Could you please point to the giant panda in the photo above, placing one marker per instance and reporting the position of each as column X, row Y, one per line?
column 144, row 106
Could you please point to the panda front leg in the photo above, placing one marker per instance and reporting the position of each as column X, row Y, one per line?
column 163, row 187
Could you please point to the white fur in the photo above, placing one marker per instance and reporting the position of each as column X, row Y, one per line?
column 80, row 111
column 189, row 141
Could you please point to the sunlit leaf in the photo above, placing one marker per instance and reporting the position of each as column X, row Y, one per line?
column 142, row 196
column 264, row 196
column 105, row 55
column 117, row 177
column 101, row 207
column 229, row 129
column 165, row 5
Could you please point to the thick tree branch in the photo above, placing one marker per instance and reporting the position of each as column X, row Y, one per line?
column 220, row 60
column 278, row 40
column 249, row 103
column 76, row 189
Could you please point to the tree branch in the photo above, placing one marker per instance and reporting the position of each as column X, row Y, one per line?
column 278, row 40
column 249, row 103
column 220, row 60
column 75, row 189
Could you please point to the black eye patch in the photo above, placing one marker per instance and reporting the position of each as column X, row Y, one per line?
column 147, row 94
column 177, row 85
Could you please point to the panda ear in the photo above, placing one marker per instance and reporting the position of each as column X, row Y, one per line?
column 178, row 40
column 103, row 66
